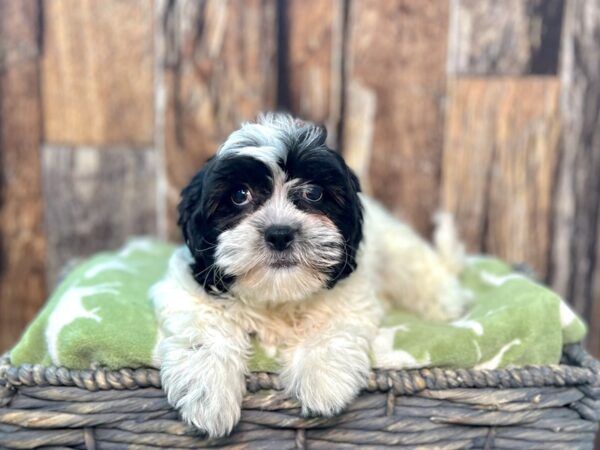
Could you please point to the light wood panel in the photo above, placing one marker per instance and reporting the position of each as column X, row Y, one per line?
column 22, row 242
column 500, row 159
column 97, row 72
column 396, row 59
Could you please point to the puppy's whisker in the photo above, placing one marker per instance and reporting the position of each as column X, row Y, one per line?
column 346, row 245
column 202, row 249
column 346, row 257
column 213, row 269
column 221, row 279
column 208, row 242
column 204, row 270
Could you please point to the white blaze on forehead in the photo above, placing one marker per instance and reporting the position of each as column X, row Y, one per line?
column 269, row 139
column 269, row 155
column 263, row 142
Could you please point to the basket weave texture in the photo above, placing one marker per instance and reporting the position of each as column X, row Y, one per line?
column 550, row 407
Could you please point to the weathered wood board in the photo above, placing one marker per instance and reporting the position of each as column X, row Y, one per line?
column 500, row 159
column 97, row 70
column 574, row 260
column 313, row 61
column 593, row 341
column 217, row 75
column 22, row 240
column 508, row 37
column 18, row 32
column 95, row 199
column 396, row 65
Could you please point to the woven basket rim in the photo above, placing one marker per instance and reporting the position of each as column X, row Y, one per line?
column 577, row 369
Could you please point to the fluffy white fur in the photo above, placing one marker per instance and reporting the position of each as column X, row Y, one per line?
column 324, row 334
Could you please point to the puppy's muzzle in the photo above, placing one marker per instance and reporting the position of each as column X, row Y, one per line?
column 279, row 237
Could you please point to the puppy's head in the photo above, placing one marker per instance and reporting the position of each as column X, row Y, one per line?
column 274, row 216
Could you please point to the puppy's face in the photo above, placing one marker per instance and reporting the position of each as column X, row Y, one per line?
column 275, row 216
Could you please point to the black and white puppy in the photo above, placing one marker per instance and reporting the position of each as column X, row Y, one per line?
column 281, row 244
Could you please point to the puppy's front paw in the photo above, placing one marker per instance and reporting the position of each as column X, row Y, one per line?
column 205, row 388
column 326, row 377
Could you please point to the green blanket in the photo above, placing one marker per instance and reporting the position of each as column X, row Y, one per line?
column 101, row 315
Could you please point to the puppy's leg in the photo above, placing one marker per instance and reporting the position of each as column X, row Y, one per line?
column 413, row 274
column 329, row 368
column 203, row 363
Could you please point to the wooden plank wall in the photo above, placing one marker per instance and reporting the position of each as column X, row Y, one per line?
column 488, row 109
column 22, row 239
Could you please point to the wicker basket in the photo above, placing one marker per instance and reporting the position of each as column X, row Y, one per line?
column 553, row 407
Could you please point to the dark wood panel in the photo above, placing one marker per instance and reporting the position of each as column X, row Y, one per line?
column 396, row 71
column 22, row 243
column 594, row 339
column 220, row 69
column 578, row 193
column 97, row 72
column 510, row 37
column 500, row 158
column 96, row 199
column 314, row 61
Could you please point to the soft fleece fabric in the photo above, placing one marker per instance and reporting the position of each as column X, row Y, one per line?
column 101, row 315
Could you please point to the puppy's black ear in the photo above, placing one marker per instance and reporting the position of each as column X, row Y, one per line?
column 197, row 233
column 189, row 205
column 353, row 233
column 355, row 207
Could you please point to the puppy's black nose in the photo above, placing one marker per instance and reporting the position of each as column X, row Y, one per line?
column 279, row 237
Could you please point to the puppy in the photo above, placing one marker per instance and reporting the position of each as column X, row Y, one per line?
column 281, row 245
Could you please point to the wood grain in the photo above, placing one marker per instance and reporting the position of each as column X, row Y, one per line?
column 314, row 61
column 18, row 32
column 578, row 194
column 500, row 158
column 359, row 127
column 97, row 72
column 220, row 70
column 22, row 243
column 96, row 199
column 511, row 37
column 396, row 57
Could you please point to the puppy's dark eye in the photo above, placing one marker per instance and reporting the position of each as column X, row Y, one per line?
column 313, row 193
column 241, row 196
